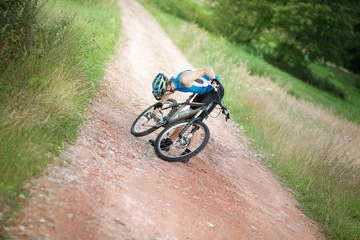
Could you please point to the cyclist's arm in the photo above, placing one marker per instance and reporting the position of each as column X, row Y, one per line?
column 165, row 97
column 170, row 90
column 187, row 78
column 163, row 100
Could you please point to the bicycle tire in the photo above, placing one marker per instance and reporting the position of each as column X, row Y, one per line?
column 176, row 157
column 152, row 127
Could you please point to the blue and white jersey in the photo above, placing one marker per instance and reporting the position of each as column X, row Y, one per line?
column 201, row 85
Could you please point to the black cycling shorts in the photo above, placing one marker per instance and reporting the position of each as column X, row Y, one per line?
column 210, row 97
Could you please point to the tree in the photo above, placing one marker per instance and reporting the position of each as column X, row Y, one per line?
column 291, row 31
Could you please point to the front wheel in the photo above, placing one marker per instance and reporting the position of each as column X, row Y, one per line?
column 148, row 121
column 195, row 138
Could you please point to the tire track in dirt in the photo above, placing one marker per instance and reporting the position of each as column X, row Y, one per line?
column 115, row 186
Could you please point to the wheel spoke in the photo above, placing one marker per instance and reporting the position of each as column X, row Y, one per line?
column 149, row 121
column 190, row 139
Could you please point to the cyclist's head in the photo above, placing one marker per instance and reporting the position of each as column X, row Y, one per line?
column 159, row 85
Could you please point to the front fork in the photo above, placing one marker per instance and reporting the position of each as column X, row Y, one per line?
column 195, row 119
column 187, row 127
column 185, row 139
column 158, row 118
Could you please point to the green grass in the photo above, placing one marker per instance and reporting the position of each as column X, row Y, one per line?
column 348, row 108
column 314, row 152
column 44, row 92
column 191, row 10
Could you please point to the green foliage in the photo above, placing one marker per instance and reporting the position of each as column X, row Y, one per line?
column 291, row 34
column 314, row 29
column 303, row 72
column 187, row 9
column 17, row 25
column 352, row 52
column 45, row 85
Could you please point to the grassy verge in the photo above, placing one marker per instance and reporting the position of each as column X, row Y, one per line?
column 314, row 152
column 45, row 90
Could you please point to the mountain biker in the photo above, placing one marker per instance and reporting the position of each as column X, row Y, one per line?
column 202, row 81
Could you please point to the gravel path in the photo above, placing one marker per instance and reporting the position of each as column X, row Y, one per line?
column 116, row 188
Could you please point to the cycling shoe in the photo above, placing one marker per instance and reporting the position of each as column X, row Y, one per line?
column 164, row 145
column 185, row 152
column 152, row 142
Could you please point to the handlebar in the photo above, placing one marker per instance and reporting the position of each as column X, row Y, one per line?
column 224, row 110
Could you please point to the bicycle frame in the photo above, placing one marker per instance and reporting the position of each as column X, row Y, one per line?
column 174, row 116
column 201, row 107
column 150, row 120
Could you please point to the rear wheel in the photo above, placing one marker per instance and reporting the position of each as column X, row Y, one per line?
column 176, row 152
column 148, row 121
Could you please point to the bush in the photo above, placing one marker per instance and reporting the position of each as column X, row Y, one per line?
column 17, row 25
column 302, row 71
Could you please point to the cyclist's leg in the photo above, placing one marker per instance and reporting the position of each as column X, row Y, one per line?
column 194, row 139
column 175, row 134
column 198, row 98
column 211, row 97
column 206, row 98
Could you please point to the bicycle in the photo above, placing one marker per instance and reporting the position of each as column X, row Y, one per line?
column 171, row 117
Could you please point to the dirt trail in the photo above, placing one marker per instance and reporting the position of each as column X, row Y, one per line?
column 116, row 188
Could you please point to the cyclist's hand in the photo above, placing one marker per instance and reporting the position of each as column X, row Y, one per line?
column 158, row 106
column 226, row 112
column 215, row 83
